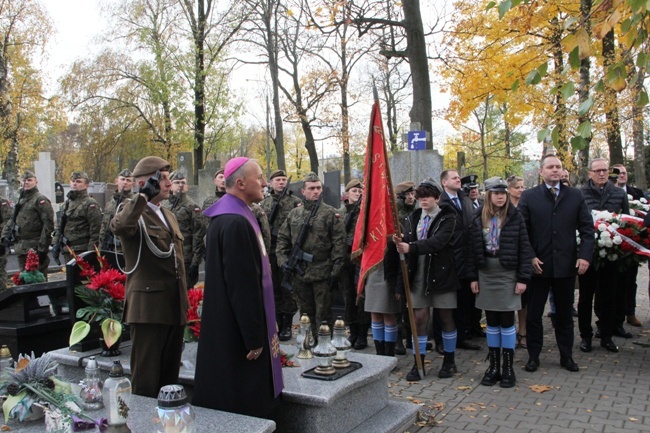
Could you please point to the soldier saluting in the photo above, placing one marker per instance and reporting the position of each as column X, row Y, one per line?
column 81, row 219
column 31, row 225
column 277, row 206
column 324, row 243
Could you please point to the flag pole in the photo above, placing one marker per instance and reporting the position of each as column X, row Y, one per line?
column 402, row 259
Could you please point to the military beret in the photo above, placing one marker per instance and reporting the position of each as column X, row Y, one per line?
column 125, row 173
column 432, row 184
column 80, row 175
column 470, row 181
column 278, row 173
column 354, row 183
column 220, row 171
column 28, row 174
column 496, row 184
column 176, row 175
column 311, row 177
column 150, row 165
column 404, row 187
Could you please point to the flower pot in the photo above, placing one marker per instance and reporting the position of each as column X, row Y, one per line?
column 113, row 351
column 56, row 422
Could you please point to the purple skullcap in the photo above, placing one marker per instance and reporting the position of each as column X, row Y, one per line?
column 234, row 164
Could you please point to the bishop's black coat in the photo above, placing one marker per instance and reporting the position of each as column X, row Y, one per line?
column 233, row 323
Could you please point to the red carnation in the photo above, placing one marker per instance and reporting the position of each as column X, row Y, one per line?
column 31, row 264
column 17, row 280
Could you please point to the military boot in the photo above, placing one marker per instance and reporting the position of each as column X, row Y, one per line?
column 389, row 348
column 448, row 366
column 414, row 374
column 362, row 336
column 380, row 347
column 285, row 329
column 508, row 374
column 493, row 373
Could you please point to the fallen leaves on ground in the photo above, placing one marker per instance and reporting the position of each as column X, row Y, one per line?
column 633, row 419
column 540, row 388
column 463, row 387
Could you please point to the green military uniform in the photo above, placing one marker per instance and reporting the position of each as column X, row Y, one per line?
column 106, row 238
column 34, row 226
column 83, row 221
column 263, row 221
column 285, row 305
column 404, row 209
column 326, row 242
column 192, row 225
column 212, row 199
column 355, row 313
column 5, row 216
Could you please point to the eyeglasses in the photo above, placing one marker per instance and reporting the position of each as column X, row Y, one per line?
column 602, row 170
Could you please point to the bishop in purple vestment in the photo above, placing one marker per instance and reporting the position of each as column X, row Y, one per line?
column 238, row 362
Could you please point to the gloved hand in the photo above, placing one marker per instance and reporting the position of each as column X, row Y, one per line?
column 151, row 188
column 56, row 253
column 193, row 272
column 5, row 242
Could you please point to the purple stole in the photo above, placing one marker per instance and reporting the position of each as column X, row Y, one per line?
column 230, row 204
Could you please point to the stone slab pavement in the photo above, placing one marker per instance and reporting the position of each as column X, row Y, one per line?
column 610, row 393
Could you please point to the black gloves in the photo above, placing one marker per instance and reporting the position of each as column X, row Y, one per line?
column 56, row 253
column 152, row 187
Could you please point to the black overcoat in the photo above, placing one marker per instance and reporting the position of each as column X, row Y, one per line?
column 552, row 229
column 233, row 323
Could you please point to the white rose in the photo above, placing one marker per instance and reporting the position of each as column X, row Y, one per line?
column 605, row 235
column 629, row 197
column 602, row 227
column 602, row 253
column 615, row 226
column 643, row 200
column 601, row 243
column 608, row 243
column 617, row 240
column 612, row 257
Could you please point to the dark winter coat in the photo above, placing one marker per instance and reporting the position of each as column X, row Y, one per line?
column 441, row 274
column 611, row 198
column 460, row 240
column 515, row 251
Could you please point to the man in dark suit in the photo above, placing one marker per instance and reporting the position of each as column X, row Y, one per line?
column 553, row 212
column 626, row 304
column 156, row 293
column 467, row 317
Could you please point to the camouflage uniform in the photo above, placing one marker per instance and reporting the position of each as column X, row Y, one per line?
column 404, row 209
column 192, row 225
column 84, row 219
column 106, row 238
column 212, row 200
column 5, row 216
column 263, row 221
column 326, row 242
column 285, row 305
column 34, row 226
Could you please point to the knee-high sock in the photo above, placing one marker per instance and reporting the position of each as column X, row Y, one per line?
column 449, row 341
column 493, row 336
column 377, row 331
column 422, row 343
column 390, row 333
column 508, row 337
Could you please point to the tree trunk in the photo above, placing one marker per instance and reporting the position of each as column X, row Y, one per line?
column 418, row 63
column 612, row 124
column 583, row 94
column 272, row 53
column 345, row 121
column 562, row 146
column 199, row 90
column 638, row 134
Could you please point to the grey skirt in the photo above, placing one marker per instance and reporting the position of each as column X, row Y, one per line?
column 447, row 300
column 497, row 287
column 380, row 296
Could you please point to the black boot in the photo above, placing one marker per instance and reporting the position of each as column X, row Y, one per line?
column 414, row 374
column 362, row 336
column 493, row 373
column 399, row 345
column 389, row 348
column 352, row 338
column 380, row 347
column 285, row 329
column 508, row 374
column 448, row 366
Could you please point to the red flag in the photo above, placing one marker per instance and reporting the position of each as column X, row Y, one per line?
column 376, row 221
